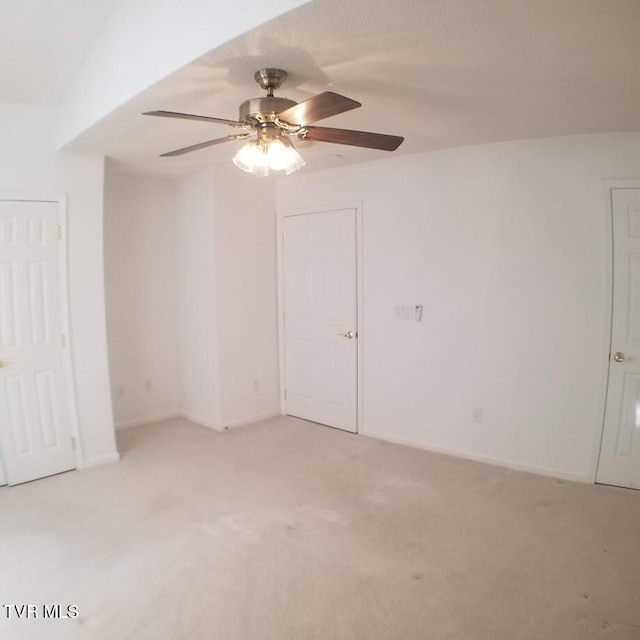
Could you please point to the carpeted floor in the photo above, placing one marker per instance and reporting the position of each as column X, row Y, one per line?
column 290, row 530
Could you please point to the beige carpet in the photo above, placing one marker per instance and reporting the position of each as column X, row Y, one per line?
column 289, row 530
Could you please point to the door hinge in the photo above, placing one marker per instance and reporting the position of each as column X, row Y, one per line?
column 282, row 238
column 285, row 394
column 73, row 443
column 63, row 341
column 283, row 318
column 59, row 232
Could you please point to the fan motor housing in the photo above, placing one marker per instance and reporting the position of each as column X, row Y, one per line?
column 261, row 110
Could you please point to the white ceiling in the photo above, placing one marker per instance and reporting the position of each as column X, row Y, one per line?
column 442, row 73
column 43, row 44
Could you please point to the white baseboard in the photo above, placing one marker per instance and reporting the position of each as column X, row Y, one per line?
column 98, row 462
column 256, row 417
column 127, row 424
column 498, row 462
column 210, row 424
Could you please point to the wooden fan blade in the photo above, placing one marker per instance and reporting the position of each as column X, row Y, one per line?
column 380, row 141
column 190, row 116
column 317, row 108
column 203, row 145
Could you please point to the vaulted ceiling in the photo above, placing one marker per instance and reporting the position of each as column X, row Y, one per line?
column 43, row 45
column 442, row 73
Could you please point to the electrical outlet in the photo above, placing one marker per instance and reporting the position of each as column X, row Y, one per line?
column 148, row 386
column 476, row 416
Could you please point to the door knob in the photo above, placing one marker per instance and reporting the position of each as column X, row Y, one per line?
column 3, row 364
column 349, row 334
column 618, row 356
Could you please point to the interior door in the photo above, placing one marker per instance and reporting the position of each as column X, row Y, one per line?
column 35, row 435
column 320, row 317
column 620, row 451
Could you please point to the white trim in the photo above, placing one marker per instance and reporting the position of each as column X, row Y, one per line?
column 66, row 328
column 216, row 426
column 32, row 196
column 98, row 462
column 286, row 213
column 210, row 424
column 280, row 286
column 361, row 327
column 467, row 455
column 63, row 291
column 128, row 424
column 256, row 417
column 301, row 211
column 608, row 186
column 625, row 183
column 3, row 475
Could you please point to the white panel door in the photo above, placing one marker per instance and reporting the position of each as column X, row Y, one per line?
column 320, row 317
column 620, row 452
column 35, row 438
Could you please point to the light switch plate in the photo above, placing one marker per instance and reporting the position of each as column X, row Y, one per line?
column 403, row 312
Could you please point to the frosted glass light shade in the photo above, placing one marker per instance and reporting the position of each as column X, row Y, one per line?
column 252, row 159
column 283, row 156
column 261, row 156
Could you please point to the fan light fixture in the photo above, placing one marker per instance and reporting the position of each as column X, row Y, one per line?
column 266, row 154
column 274, row 120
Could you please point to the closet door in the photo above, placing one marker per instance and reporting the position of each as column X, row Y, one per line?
column 35, row 433
column 620, row 449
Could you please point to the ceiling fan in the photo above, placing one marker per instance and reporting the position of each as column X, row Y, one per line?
column 274, row 121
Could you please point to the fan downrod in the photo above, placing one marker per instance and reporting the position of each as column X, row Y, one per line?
column 270, row 79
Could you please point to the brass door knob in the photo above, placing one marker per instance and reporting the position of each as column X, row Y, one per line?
column 349, row 334
column 618, row 356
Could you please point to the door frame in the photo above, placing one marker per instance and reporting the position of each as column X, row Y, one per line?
column 287, row 213
column 609, row 186
column 60, row 199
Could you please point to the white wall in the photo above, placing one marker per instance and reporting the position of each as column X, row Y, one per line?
column 226, row 293
column 246, row 280
column 191, row 297
column 144, row 42
column 198, row 383
column 29, row 162
column 140, row 294
column 506, row 245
